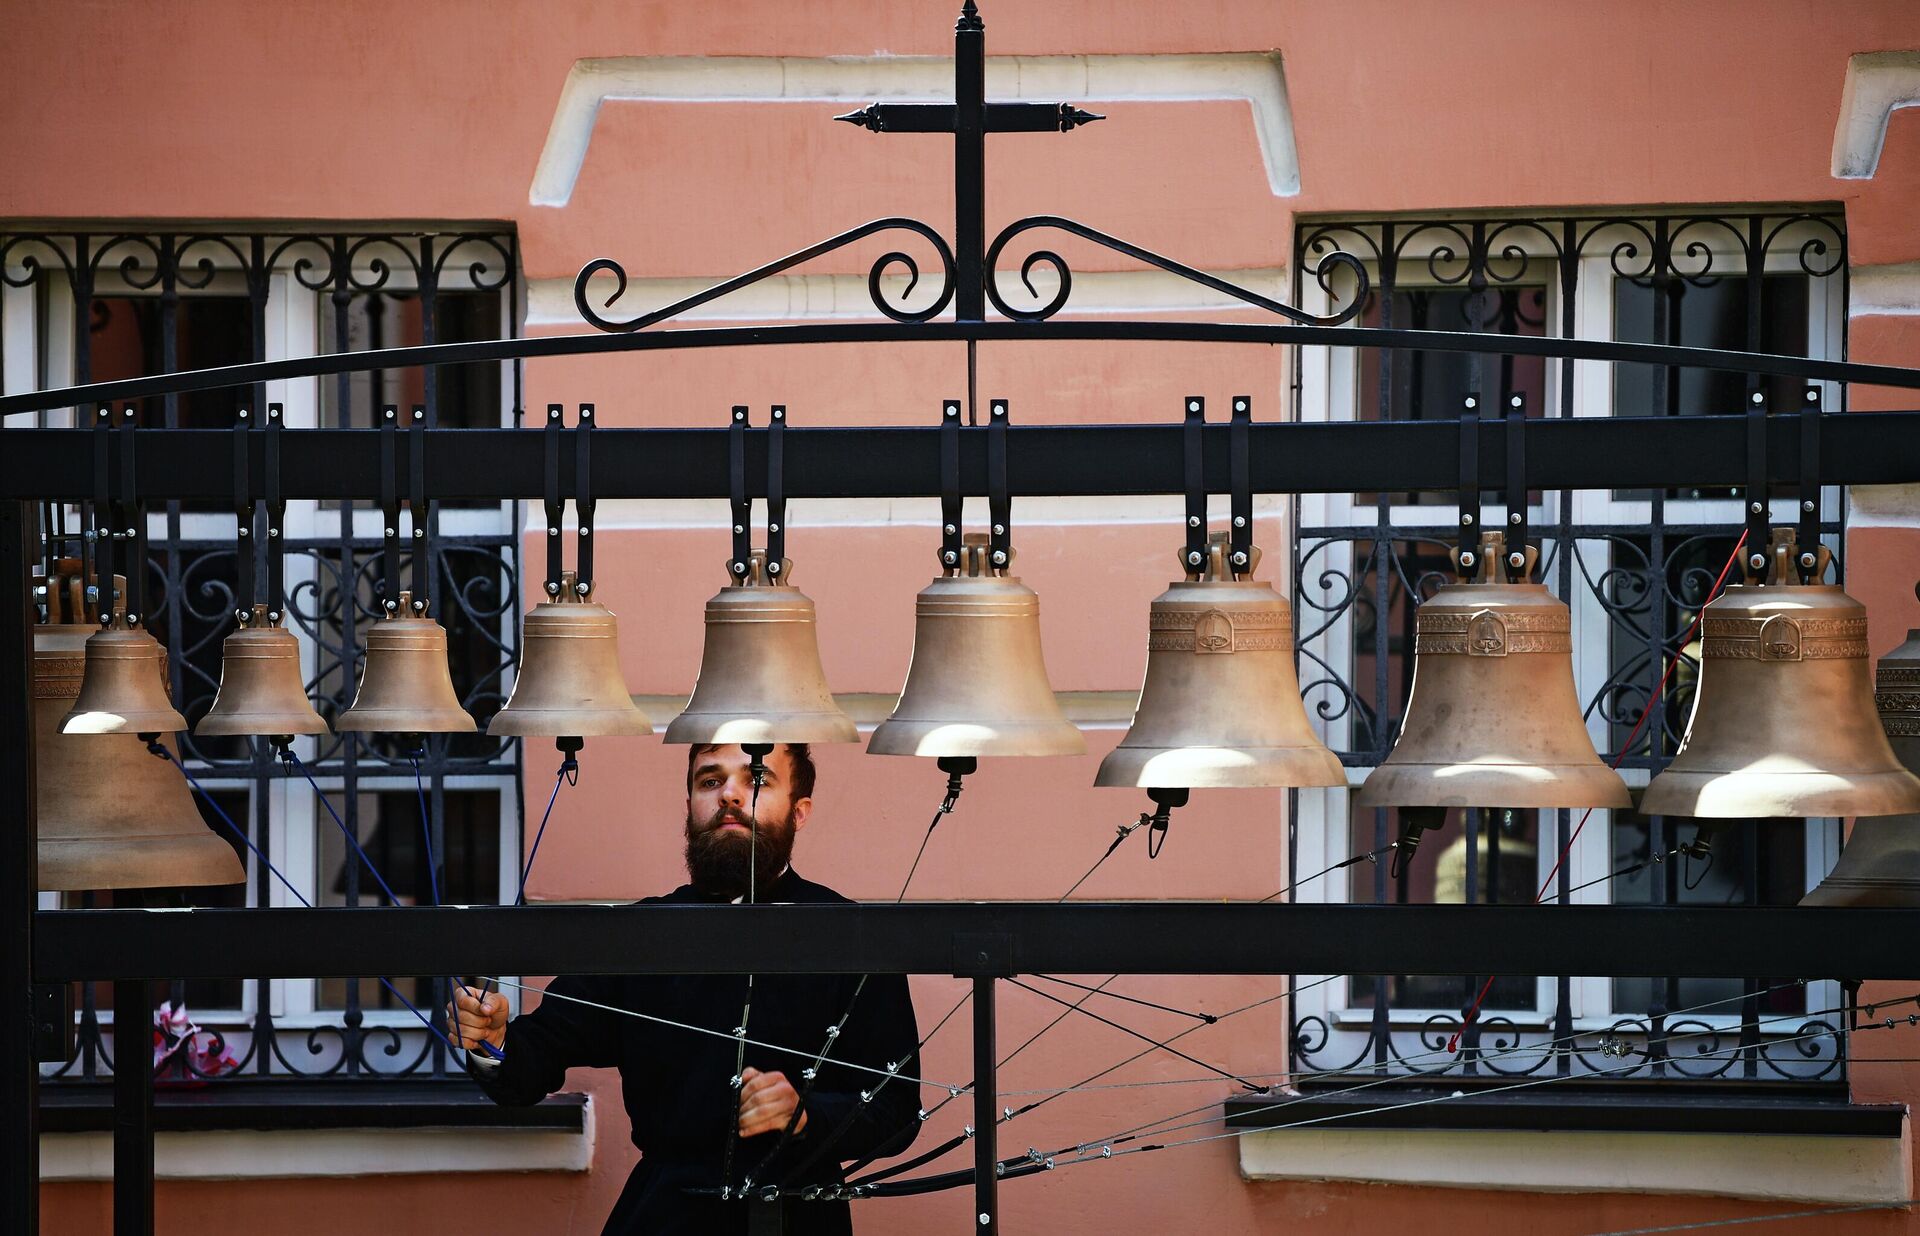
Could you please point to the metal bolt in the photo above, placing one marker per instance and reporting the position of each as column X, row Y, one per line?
column 244, row 530
column 419, row 532
column 1239, row 405
column 773, row 527
column 1193, row 405
column 1514, row 402
column 773, row 568
column 999, row 530
column 739, row 568
column 272, row 533
column 985, row 1218
column 553, row 532
column 392, row 532
column 1757, row 397
column 582, row 588
column 586, row 532
column 392, row 605
column 1513, row 517
column 999, row 557
column 1807, row 505
column 1193, row 558
column 738, row 529
column 1753, row 507
column 1239, row 521
column 949, row 557
column 1807, row 560
column 1757, row 561
column 243, row 414
column 1472, row 402
column 1240, row 559
column 950, row 529
column 1466, row 520
column 779, row 415
column 241, row 614
column 586, row 414
column 1467, row 559
column 1193, row 521
column 273, row 615
column 1516, row 560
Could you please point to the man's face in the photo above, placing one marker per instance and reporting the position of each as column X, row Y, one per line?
column 720, row 801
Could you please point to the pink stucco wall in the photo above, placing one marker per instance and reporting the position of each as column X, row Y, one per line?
column 438, row 110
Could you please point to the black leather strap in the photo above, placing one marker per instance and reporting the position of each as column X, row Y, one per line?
column 276, row 504
column 999, row 497
column 583, row 499
column 741, row 505
column 1809, row 533
column 1193, row 457
column 106, row 524
column 776, row 490
column 1759, row 528
column 243, row 509
column 1516, row 474
column 1240, row 480
column 133, row 518
column 390, row 506
column 554, row 505
column 1469, row 481
column 952, row 501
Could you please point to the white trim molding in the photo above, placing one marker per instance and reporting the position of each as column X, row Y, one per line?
column 1892, row 289
column 284, row 1154
column 1783, row 1167
column 1256, row 77
column 1877, row 84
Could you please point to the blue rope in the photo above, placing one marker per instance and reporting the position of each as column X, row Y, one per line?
column 294, row 760
column 247, row 841
column 426, row 827
column 560, row 778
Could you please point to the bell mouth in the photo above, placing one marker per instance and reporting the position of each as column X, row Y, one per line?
column 1201, row 768
column 1765, row 795
column 942, row 739
column 1491, row 784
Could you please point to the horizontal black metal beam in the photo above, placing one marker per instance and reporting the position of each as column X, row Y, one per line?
column 1583, row 453
column 1050, row 330
column 978, row 938
column 306, row 1103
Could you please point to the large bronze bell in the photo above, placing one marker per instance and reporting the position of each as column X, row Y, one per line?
column 1881, row 863
column 262, row 690
column 110, row 813
column 1783, row 720
column 1493, row 720
column 1220, row 704
column 124, row 688
column 977, row 684
column 760, row 675
column 569, row 684
column 406, row 686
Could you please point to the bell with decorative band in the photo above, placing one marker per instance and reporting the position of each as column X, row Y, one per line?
column 1783, row 719
column 569, row 684
column 108, row 814
column 760, row 675
column 1493, row 720
column 125, row 687
column 1880, row 865
column 406, row 685
column 262, row 690
column 977, row 685
column 1220, row 704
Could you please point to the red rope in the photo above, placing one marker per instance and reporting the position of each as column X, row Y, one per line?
column 1453, row 1043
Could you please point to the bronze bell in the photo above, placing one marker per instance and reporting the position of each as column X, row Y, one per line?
column 977, row 684
column 262, row 689
column 1783, row 721
column 760, row 676
column 110, row 813
column 405, row 684
column 569, row 684
column 1493, row 720
column 1220, row 705
column 1880, row 865
column 124, row 690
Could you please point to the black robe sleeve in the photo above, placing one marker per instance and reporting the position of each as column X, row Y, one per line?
column 559, row 1035
column 881, row 1030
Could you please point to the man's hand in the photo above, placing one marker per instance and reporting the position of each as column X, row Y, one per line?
column 473, row 1017
column 767, row 1102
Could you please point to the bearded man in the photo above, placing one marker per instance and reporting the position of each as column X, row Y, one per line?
column 688, row 1117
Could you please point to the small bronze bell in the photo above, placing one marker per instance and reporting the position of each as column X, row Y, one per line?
column 406, row 686
column 1783, row 721
column 110, row 813
column 1493, row 720
column 977, row 684
column 1881, row 864
column 760, row 675
column 1220, row 705
column 569, row 684
column 262, row 690
column 124, row 690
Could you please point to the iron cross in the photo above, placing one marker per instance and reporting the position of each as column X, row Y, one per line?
column 969, row 118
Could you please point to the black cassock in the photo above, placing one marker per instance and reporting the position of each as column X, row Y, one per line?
column 675, row 1082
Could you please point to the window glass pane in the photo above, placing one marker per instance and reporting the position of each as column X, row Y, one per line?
column 1709, row 314
column 389, row 825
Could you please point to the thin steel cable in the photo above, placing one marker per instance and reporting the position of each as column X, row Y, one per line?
column 1208, row 1018
column 1784, row 1214
column 1145, row 1038
column 706, row 1030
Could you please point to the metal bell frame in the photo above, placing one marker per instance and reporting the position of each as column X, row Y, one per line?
column 980, row 941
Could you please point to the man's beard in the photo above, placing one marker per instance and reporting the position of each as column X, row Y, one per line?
column 719, row 858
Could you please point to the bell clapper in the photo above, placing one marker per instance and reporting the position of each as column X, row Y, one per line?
column 1414, row 821
column 569, row 746
column 956, row 767
column 1164, row 802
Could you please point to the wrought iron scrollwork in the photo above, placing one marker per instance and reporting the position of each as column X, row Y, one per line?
column 1323, row 271
column 881, row 265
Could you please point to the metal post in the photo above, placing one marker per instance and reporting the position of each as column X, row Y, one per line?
column 132, row 1110
column 986, row 1097
column 19, row 876
column 969, row 165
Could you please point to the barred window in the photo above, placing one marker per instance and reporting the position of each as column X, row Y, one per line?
column 79, row 306
column 1634, row 567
